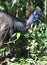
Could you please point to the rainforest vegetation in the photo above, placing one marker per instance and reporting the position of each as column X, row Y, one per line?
column 28, row 48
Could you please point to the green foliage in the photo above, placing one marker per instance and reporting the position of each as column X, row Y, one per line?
column 16, row 34
column 23, row 61
column 43, row 58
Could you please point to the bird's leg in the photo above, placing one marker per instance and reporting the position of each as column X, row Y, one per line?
column 1, row 43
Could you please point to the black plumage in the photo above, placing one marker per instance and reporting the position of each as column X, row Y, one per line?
column 9, row 24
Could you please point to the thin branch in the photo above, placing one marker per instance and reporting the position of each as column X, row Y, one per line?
column 11, row 41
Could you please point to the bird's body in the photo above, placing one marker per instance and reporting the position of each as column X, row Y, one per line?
column 9, row 24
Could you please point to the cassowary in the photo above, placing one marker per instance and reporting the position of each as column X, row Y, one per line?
column 10, row 24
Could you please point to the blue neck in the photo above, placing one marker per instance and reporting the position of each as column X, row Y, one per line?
column 31, row 18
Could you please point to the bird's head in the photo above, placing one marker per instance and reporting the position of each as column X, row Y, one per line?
column 38, row 13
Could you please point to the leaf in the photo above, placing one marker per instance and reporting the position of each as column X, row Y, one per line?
column 1, row 8
column 14, row 35
column 29, row 60
column 18, row 35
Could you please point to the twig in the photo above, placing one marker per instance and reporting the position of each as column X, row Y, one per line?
column 11, row 41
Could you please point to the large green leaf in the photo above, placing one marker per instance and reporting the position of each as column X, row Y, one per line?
column 18, row 35
column 14, row 35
